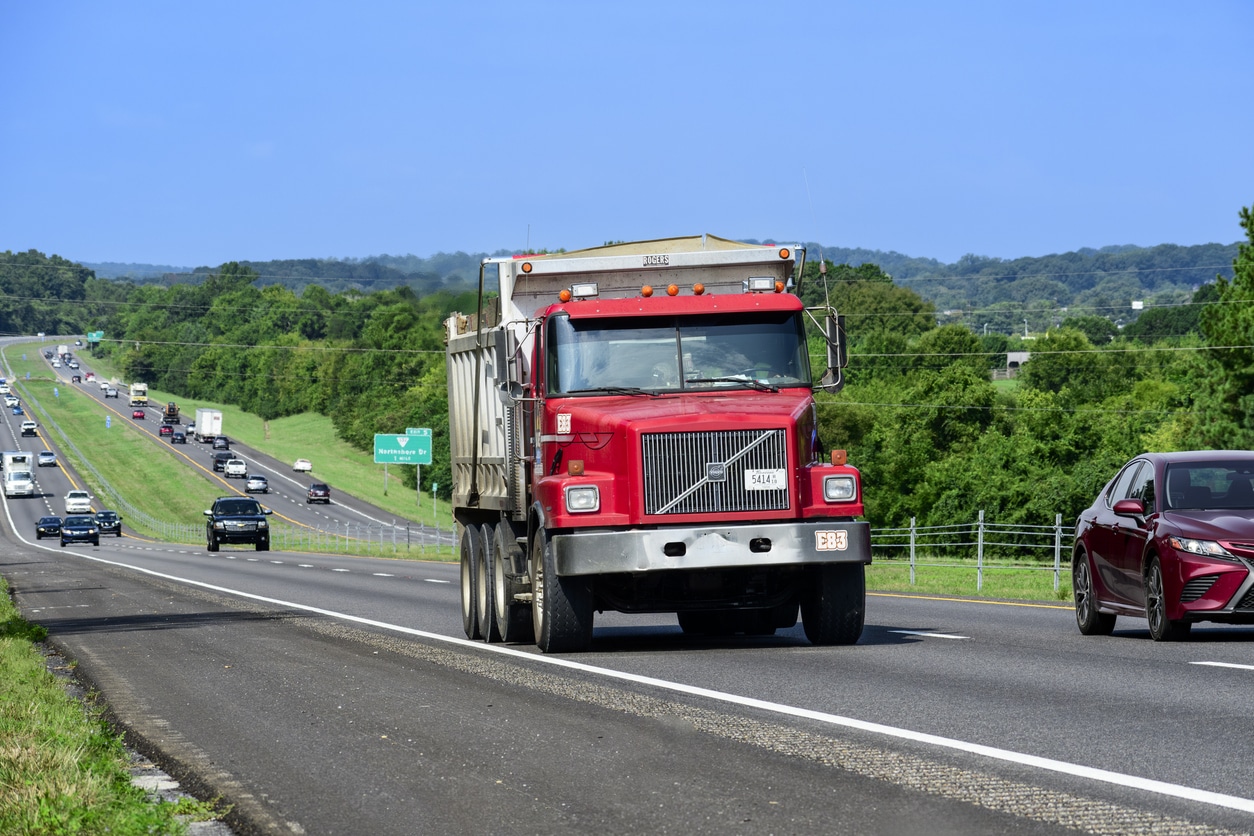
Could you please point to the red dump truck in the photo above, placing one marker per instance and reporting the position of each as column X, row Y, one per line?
column 633, row 429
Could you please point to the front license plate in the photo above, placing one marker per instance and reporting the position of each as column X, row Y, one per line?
column 766, row 480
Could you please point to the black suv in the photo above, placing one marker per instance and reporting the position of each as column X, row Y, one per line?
column 318, row 492
column 237, row 519
column 220, row 458
column 109, row 523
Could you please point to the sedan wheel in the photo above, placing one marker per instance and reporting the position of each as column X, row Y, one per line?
column 1162, row 629
column 1087, row 618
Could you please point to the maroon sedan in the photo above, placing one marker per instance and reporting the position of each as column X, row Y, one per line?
column 1170, row 539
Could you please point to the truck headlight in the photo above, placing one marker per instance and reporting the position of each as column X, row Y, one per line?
column 582, row 499
column 839, row 488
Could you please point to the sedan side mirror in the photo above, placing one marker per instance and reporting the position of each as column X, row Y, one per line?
column 1129, row 508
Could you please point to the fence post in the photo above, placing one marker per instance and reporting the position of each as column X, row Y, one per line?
column 979, row 555
column 1057, row 548
column 912, row 536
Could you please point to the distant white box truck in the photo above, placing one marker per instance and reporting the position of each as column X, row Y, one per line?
column 18, row 483
column 208, row 424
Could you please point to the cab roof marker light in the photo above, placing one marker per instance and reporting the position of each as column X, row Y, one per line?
column 761, row 284
column 584, row 290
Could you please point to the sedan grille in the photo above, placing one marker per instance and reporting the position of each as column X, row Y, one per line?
column 711, row 472
column 1197, row 587
column 1247, row 601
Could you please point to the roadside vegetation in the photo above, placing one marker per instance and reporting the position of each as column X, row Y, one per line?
column 62, row 770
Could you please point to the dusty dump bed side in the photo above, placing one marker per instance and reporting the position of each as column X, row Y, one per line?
column 482, row 429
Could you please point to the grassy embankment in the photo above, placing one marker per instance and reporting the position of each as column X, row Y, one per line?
column 61, row 769
column 156, row 479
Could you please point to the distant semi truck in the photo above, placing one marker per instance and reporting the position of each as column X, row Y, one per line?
column 208, row 424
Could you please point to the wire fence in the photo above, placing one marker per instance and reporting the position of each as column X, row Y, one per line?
column 988, row 545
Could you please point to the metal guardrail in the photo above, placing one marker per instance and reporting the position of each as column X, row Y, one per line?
column 978, row 541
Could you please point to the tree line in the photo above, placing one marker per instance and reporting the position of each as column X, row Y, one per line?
column 935, row 437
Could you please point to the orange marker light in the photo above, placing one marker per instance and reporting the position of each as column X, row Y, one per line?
column 783, row 252
column 839, row 457
column 698, row 288
column 646, row 291
column 672, row 290
column 564, row 295
column 779, row 287
column 526, row 268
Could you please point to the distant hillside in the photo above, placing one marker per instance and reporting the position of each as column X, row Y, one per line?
column 1104, row 281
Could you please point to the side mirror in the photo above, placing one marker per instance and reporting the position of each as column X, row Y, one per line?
column 837, row 356
column 1129, row 508
column 510, row 391
column 208, row 513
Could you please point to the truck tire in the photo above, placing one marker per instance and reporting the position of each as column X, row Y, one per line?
column 212, row 546
column 485, row 586
column 834, row 604
column 561, row 608
column 468, row 549
column 513, row 618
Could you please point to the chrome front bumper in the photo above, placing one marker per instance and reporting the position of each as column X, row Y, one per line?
column 596, row 552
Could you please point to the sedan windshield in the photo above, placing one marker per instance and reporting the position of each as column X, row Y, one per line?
column 1210, row 485
column 683, row 353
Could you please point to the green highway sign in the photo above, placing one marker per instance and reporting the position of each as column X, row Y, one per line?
column 402, row 449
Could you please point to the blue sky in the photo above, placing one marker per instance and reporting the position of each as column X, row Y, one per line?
column 193, row 134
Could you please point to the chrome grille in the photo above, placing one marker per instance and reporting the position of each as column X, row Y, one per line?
column 704, row 472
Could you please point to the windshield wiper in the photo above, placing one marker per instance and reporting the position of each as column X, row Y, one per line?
column 611, row 390
column 747, row 381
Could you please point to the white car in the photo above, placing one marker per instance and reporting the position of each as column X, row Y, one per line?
column 11, row 400
column 78, row 502
column 47, row 458
column 4, row 389
column 235, row 468
column 29, row 427
column 104, row 384
column 302, row 466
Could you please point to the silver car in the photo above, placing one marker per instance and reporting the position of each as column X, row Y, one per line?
column 256, row 484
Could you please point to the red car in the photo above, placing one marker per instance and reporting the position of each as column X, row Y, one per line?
column 165, row 429
column 1170, row 539
column 138, row 415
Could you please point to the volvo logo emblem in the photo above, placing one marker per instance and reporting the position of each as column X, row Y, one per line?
column 715, row 471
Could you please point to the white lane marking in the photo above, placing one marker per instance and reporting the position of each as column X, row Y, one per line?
column 1225, row 665
column 341, row 570
column 277, row 562
column 1232, row 802
column 305, row 565
column 435, row 580
column 929, row 634
column 383, row 575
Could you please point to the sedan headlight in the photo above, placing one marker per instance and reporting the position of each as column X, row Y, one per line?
column 839, row 488
column 582, row 499
column 1207, row 548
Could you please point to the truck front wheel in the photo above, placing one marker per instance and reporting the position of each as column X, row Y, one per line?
column 561, row 608
column 834, row 604
column 469, row 550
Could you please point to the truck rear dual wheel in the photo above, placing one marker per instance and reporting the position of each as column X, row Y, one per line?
column 561, row 608
column 833, row 606
column 513, row 618
column 485, row 577
column 468, row 549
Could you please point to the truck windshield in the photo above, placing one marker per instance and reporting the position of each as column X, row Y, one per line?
column 751, row 351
